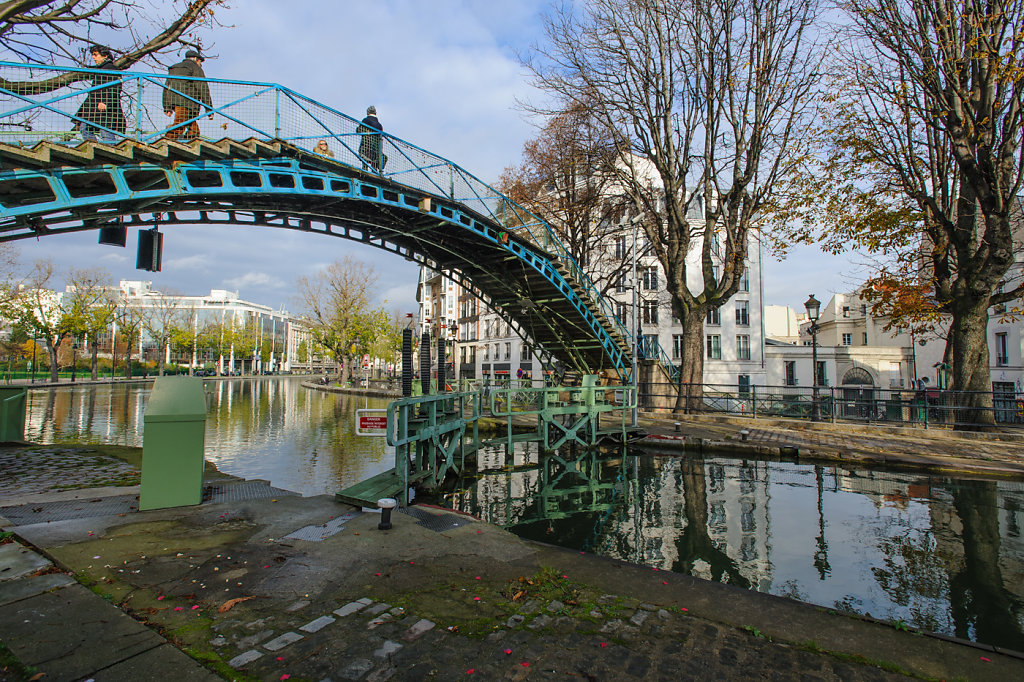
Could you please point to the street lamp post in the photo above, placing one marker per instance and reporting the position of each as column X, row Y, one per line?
column 813, row 307
column 636, row 340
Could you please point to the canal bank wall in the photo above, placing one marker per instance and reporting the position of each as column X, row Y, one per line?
column 259, row 583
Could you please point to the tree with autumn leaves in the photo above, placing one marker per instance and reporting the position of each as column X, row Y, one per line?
column 921, row 165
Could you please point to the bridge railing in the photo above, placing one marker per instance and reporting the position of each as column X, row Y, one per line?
column 40, row 102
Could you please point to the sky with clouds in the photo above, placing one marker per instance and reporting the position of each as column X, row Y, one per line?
column 443, row 75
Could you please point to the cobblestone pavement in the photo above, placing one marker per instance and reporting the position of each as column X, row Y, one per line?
column 26, row 470
column 619, row 639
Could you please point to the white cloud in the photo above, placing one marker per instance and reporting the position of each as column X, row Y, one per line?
column 254, row 279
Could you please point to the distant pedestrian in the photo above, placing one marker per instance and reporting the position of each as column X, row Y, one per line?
column 100, row 113
column 184, row 98
column 370, row 145
column 323, row 150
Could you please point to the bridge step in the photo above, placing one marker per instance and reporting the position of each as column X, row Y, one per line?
column 47, row 154
column 385, row 484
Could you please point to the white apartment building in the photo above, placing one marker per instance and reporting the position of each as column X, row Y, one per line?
column 273, row 337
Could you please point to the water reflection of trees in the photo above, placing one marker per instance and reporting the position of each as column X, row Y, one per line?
column 982, row 607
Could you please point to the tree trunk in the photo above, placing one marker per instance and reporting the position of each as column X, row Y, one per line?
column 128, row 363
column 51, row 351
column 690, row 398
column 95, row 361
column 969, row 340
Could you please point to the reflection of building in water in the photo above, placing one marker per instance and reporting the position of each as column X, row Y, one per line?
column 739, row 521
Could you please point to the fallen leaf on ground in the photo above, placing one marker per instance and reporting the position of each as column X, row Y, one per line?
column 226, row 606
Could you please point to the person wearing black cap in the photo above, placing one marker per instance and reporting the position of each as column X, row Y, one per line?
column 369, row 144
column 183, row 98
column 100, row 116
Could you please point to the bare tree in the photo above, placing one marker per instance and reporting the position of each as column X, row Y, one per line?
column 93, row 303
column 925, row 163
column 46, row 312
column 160, row 319
column 707, row 101
column 337, row 304
column 129, row 325
column 53, row 31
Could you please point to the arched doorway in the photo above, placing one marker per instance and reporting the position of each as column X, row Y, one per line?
column 858, row 391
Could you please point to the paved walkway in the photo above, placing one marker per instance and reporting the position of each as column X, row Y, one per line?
column 935, row 449
column 276, row 586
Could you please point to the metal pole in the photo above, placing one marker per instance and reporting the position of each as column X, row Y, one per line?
column 636, row 377
column 815, row 407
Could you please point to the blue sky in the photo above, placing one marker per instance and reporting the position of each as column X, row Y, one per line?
column 443, row 75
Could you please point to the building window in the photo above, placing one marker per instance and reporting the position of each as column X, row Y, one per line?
column 620, row 284
column 650, row 278
column 744, row 384
column 864, row 309
column 649, row 312
column 745, row 280
column 790, row 372
column 1002, row 354
column 620, row 247
column 742, row 313
column 716, row 246
column 677, row 346
column 714, row 347
column 715, row 316
column 846, row 311
column 864, row 338
column 822, row 379
column 524, row 352
column 847, row 339
column 487, row 352
column 508, row 351
column 742, row 347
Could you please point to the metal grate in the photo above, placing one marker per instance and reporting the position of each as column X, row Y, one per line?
column 434, row 522
column 25, row 514
column 323, row 531
column 239, row 492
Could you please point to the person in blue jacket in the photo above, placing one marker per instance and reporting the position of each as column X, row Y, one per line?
column 369, row 143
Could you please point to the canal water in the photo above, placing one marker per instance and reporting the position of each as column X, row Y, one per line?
column 933, row 552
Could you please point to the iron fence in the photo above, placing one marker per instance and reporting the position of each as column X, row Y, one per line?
column 58, row 104
column 854, row 403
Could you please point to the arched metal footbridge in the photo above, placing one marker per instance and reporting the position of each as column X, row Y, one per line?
column 255, row 165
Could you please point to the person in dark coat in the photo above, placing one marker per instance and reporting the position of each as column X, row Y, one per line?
column 369, row 144
column 102, row 107
column 184, row 98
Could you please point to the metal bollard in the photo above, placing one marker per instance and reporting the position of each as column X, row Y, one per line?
column 386, row 504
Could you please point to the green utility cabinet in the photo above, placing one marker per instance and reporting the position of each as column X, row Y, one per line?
column 12, row 413
column 172, row 444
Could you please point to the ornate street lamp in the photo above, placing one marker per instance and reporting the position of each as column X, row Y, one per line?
column 813, row 307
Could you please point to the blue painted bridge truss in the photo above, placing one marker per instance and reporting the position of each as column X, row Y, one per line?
column 259, row 168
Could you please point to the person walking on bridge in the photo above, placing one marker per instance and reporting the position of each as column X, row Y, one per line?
column 183, row 98
column 369, row 144
column 102, row 107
